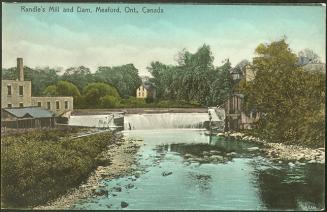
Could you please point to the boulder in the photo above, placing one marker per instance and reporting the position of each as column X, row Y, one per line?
column 117, row 188
column 253, row 148
column 129, row 186
column 101, row 192
column 166, row 173
column 123, row 204
column 188, row 155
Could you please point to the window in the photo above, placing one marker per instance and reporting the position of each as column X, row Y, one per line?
column 66, row 104
column 57, row 105
column 9, row 90
column 9, row 105
column 21, row 104
column 48, row 105
column 39, row 104
column 21, row 90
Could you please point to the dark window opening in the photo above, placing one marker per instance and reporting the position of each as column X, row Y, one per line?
column 21, row 90
column 39, row 104
column 57, row 105
column 48, row 105
column 66, row 104
column 9, row 90
column 9, row 105
column 21, row 104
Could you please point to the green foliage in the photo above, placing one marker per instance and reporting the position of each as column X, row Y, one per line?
column 95, row 91
column 125, row 78
column 38, row 167
column 62, row 88
column 51, row 90
column 109, row 101
column 40, row 77
column 194, row 78
column 79, row 76
column 290, row 99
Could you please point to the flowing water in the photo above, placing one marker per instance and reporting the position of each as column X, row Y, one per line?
column 175, row 173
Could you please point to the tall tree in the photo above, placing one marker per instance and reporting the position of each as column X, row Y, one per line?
column 284, row 94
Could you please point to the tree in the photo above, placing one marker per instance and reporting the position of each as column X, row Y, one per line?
column 40, row 77
column 79, row 76
column 125, row 78
column 308, row 56
column 109, row 101
column 94, row 91
column 62, row 88
column 285, row 95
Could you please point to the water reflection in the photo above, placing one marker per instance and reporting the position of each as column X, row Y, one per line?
column 300, row 188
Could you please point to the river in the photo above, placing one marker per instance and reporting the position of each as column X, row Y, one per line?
column 176, row 171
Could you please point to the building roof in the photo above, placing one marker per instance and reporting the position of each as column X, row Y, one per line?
column 31, row 112
column 319, row 67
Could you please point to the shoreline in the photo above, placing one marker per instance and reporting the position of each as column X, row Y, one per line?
column 123, row 157
column 282, row 152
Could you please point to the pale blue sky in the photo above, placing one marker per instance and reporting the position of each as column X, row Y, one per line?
column 109, row 39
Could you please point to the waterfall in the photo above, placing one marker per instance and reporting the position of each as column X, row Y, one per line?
column 165, row 121
column 92, row 121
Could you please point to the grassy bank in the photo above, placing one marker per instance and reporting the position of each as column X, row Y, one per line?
column 40, row 166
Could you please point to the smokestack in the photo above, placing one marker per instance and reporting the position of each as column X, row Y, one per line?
column 20, row 69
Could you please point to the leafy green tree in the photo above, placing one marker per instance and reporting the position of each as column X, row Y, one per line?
column 39, row 77
column 62, row 88
column 94, row 91
column 51, row 90
column 79, row 76
column 290, row 99
column 125, row 78
column 109, row 101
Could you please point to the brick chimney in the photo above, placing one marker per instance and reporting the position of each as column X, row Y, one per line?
column 20, row 69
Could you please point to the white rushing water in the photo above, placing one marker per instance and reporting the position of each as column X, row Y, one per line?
column 165, row 121
column 92, row 121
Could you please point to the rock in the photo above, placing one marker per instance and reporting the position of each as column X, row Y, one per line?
column 123, row 204
column 312, row 161
column 101, row 192
column 217, row 158
column 188, row 155
column 117, row 188
column 231, row 154
column 166, row 173
column 253, row 148
column 109, row 206
column 129, row 186
column 280, row 161
column 214, row 152
column 205, row 153
column 291, row 164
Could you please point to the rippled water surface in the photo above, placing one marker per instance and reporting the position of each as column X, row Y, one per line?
column 241, row 180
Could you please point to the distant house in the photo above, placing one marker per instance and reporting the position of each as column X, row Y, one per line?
column 18, row 93
column 27, row 117
column 146, row 91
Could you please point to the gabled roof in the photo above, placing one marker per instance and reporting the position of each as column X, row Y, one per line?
column 30, row 112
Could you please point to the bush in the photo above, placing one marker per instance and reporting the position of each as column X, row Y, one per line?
column 39, row 166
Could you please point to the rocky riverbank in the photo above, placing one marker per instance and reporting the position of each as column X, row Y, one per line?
column 122, row 155
column 279, row 151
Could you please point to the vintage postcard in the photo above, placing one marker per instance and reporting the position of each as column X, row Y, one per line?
column 124, row 106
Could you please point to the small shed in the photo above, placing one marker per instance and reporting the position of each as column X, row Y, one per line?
column 27, row 117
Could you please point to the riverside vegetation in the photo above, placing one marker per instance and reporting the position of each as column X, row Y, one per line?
column 43, row 165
